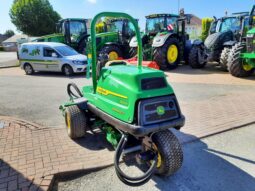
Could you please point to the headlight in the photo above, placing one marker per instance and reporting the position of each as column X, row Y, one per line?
column 78, row 62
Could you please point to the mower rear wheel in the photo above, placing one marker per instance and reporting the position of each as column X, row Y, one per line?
column 236, row 65
column 168, row 55
column 224, row 59
column 170, row 155
column 196, row 56
column 76, row 122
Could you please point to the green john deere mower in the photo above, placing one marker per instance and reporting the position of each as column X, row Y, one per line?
column 241, row 62
column 134, row 106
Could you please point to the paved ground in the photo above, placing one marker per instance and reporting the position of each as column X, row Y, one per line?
column 211, row 100
column 30, row 155
column 222, row 162
column 8, row 59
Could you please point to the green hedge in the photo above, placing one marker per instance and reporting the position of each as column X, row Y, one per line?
column 206, row 23
column 1, row 48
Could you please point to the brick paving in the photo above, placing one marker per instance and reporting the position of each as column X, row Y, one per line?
column 31, row 155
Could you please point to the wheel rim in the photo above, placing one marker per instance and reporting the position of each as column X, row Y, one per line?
column 172, row 54
column 68, row 122
column 67, row 71
column 159, row 156
column 113, row 55
column 247, row 67
column 28, row 69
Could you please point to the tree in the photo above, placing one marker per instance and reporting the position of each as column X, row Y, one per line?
column 34, row 17
column 206, row 24
column 9, row 33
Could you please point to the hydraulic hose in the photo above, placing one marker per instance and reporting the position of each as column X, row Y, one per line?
column 71, row 94
column 131, row 181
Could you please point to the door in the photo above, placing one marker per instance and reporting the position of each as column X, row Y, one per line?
column 50, row 59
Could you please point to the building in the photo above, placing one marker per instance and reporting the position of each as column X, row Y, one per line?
column 11, row 44
column 2, row 38
column 194, row 28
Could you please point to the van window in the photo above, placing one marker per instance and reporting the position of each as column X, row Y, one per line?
column 47, row 52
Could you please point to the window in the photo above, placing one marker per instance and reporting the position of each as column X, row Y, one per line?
column 155, row 25
column 47, row 52
column 77, row 28
column 231, row 23
column 115, row 26
column 66, row 51
column 172, row 21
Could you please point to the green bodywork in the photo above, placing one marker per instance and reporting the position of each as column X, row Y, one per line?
column 249, row 57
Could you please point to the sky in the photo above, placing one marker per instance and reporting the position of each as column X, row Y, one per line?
column 136, row 8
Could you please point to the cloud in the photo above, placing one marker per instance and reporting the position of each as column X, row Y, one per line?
column 92, row 1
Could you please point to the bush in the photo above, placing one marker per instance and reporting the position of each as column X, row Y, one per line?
column 1, row 48
column 206, row 24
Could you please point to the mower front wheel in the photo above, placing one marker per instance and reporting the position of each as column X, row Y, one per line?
column 76, row 122
column 170, row 155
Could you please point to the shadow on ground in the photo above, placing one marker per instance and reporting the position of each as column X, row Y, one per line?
column 58, row 75
column 202, row 170
column 10, row 179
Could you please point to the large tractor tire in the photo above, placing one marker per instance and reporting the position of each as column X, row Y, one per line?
column 170, row 155
column 76, row 122
column 196, row 57
column 113, row 52
column 236, row 65
column 168, row 55
column 224, row 59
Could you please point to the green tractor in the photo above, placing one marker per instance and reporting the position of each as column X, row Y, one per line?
column 72, row 32
column 165, row 40
column 224, row 34
column 135, row 107
column 113, row 43
column 241, row 61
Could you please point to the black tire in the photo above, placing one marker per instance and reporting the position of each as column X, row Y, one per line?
column 160, row 55
column 194, row 58
column 133, row 52
column 170, row 151
column 28, row 69
column 76, row 122
column 224, row 59
column 82, row 47
column 67, row 70
column 106, row 50
column 235, row 63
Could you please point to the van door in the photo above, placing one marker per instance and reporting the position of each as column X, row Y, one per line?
column 51, row 59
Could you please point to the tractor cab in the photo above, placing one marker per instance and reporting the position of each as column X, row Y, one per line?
column 73, row 30
column 160, row 23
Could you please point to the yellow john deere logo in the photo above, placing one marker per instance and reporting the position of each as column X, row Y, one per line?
column 160, row 110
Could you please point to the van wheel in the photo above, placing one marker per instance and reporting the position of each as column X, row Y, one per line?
column 28, row 69
column 67, row 70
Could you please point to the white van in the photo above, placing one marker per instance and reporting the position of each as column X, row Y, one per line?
column 51, row 56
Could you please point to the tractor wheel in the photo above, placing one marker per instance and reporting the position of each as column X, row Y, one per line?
column 196, row 56
column 76, row 122
column 82, row 47
column 168, row 55
column 113, row 52
column 28, row 69
column 133, row 52
column 67, row 70
column 170, row 155
column 236, row 65
column 224, row 59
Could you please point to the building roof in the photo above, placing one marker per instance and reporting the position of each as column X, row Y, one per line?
column 194, row 20
column 14, row 38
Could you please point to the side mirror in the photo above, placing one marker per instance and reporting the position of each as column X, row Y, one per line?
column 54, row 55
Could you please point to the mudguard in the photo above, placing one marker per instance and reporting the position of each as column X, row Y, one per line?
column 160, row 40
column 133, row 42
column 197, row 42
column 229, row 43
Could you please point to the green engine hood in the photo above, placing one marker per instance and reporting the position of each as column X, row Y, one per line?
column 252, row 31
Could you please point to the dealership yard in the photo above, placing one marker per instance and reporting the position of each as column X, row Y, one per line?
column 211, row 100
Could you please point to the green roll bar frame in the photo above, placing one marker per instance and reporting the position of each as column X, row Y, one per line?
column 93, row 40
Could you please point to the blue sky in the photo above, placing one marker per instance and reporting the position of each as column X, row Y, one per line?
column 137, row 8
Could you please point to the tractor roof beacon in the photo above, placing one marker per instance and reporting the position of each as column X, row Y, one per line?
column 165, row 40
column 135, row 114
column 224, row 33
column 241, row 62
